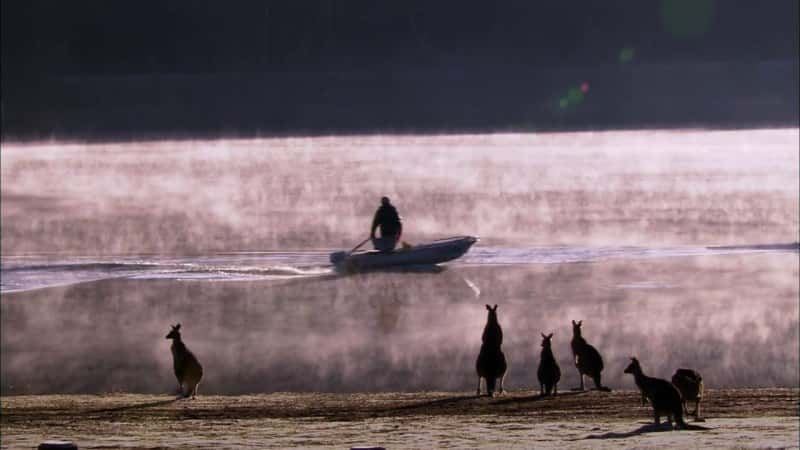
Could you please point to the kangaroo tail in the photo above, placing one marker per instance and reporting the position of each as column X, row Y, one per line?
column 685, row 426
column 490, row 384
column 598, row 385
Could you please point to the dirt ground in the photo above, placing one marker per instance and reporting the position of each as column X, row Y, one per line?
column 735, row 418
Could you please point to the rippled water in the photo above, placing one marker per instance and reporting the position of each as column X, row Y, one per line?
column 674, row 246
column 31, row 272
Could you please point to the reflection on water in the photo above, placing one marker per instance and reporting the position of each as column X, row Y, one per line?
column 568, row 223
column 734, row 318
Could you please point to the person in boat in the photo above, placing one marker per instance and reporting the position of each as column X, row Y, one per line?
column 387, row 219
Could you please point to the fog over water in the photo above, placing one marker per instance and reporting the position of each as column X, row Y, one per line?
column 603, row 188
column 611, row 228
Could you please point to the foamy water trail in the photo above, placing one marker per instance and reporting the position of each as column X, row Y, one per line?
column 27, row 273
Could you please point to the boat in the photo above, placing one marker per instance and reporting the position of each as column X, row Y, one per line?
column 436, row 252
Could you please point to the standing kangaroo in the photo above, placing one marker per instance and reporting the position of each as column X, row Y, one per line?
column 188, row 370
column 549, row 373
column 491, row 363
column 587, row 359
column 664, row 397
column 690, row 385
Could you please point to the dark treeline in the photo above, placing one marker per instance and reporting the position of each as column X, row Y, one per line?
column 100, row 37
column 96, row 68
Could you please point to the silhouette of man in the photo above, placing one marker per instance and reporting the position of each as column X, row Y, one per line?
column 388, row 220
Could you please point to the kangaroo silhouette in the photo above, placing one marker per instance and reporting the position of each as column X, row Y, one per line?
column 187, row 368
column 491, row 363
column 549, row 373
column 587, row 359
column 664, row 397
column 690, row 385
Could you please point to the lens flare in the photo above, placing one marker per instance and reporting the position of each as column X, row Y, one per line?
column 687, row 18
column 575, row 96
column 626, row 55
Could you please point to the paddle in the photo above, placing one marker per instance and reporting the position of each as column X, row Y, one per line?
column 359, row 245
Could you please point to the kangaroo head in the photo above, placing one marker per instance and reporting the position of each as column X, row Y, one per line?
column 492, row 313
column 175, row 332
column 546, row 340
column 576, row 327
column 633, row 367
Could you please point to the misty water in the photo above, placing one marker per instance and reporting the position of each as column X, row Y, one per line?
column 677, row 247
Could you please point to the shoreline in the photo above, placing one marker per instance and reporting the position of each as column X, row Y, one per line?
column 744, row 417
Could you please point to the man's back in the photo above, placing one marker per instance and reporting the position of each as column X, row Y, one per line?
column 387, row 218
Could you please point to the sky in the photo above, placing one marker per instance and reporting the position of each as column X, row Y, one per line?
column 96, row 69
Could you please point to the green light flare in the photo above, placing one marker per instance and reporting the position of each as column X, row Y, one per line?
column 687, row 18
column 626, row 55
column 575, row 96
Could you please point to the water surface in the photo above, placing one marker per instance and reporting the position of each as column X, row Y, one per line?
column 677, row 247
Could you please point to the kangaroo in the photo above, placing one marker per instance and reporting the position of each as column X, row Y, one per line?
column 690, row 385
column 491, row 363
column 549, row 373
column 188, row 370
column 664, row 397
column 587, row 359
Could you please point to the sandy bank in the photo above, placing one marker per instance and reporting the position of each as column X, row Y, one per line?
column 736, row 418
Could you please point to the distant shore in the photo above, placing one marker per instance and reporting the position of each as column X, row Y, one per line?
column 765, row 417
column 400, row 100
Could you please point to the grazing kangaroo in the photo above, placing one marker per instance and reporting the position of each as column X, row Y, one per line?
column 664, row 397
column 587, row 359
column 690, row 385
column 491, row 363
column 549, row 373
column 188, row 370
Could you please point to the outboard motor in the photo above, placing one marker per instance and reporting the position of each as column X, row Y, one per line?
column 337, row 257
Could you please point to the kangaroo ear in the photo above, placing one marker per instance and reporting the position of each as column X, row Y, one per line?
column 543, row 336
column 580, row 322
column 495, row 307
column 178, row 326
column 573, row 323
column 488, row 307
column 550, row 336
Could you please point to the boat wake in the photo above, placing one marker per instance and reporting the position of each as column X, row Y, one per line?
column 27, row 273
column 23, row 273
column 559, row 255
